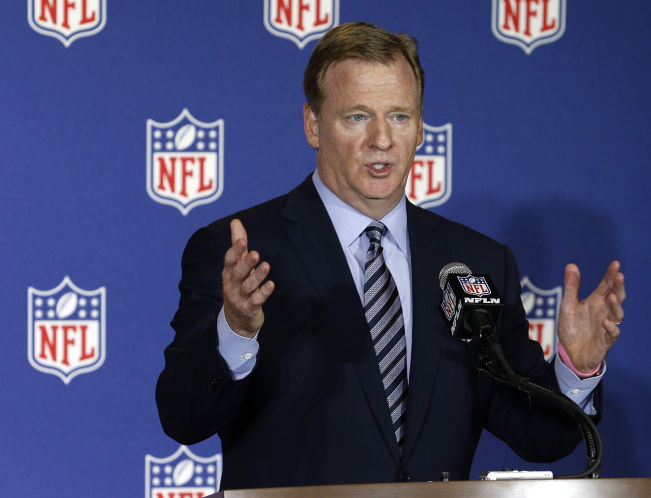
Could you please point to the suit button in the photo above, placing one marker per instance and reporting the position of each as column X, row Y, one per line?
column 212, row 383
column 405, row 476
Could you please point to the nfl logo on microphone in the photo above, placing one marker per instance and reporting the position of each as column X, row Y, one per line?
column 300, row 21
column 66, row 20
column 66, row 329
column 182, row 475
column 185, row 161
column 430, row 178
column 476, row 286
column 542, row 307
column 528, row 23
column 449, row 302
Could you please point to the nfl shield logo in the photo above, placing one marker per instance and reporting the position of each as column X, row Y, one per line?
column 300, row 20
column 185, row 161
column 528, row 23
column 66, row 329
column 542, row 307
column 449, row 302
column 182, row 474
column 66, row 20
column 430, row 178
column 476, row 286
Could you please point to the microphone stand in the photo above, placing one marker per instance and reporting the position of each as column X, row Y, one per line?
column 487, row 355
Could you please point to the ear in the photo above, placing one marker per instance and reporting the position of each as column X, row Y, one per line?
column 420, row 131
column 311, row 126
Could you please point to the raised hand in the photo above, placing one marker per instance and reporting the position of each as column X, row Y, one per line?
column 244, row 291
column 588, row 328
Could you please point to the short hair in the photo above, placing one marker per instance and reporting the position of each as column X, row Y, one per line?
column 359, row 40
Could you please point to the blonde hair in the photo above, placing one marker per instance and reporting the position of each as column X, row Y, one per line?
column 359, row 40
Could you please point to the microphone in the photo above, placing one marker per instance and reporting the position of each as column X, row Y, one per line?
column 472, row 307
column 470, row 304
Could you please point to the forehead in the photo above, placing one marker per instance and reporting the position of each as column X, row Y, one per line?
column 358, row 82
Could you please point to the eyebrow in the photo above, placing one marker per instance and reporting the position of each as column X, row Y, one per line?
column 361, row 107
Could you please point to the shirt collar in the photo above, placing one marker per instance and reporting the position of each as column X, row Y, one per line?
column 349, row 223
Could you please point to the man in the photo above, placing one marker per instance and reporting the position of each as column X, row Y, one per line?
column 308, row 373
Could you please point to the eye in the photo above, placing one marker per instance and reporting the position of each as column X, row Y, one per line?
column 400, row 117
column 357, row 117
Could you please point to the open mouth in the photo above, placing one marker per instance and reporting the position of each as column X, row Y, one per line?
column 379, row 167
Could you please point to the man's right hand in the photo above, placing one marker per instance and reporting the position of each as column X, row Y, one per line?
column 244, row 293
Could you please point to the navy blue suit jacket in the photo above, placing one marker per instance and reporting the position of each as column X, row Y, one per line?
column 313, row 410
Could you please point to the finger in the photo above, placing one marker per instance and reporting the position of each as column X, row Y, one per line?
column 259, row 297
column 255, row 278
column 571, row 282
column 234, row 253
column 615, row 310
column 608, row 282
column 237, row 266
column 243, row 267
column 233, row 261
column 619, row 289
column 612, row 331
column 238, row 232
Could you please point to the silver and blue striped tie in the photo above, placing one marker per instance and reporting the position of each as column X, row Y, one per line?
column 384, row 316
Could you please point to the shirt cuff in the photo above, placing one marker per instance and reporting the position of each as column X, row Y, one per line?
column 577, row 389
column 239, row 352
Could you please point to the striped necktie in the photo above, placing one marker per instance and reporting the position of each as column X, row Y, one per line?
column 384, row 316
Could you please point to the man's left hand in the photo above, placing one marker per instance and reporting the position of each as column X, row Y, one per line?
column 588, row 328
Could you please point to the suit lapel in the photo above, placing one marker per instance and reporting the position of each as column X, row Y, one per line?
column 429, row 253
column 314, row 237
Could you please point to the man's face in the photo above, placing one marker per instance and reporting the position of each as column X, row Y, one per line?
column 367, row 134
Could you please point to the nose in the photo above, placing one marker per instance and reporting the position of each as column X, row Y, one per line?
column 380, row 135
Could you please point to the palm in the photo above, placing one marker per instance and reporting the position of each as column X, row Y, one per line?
column 588, row 328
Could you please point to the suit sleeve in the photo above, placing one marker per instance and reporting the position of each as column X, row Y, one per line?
column 535, row 429
column 195, row 394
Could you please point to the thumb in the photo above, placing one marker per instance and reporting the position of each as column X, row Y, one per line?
column 238, row 232
column 571, row 283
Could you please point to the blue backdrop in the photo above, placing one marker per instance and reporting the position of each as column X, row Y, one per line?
column 539, row 115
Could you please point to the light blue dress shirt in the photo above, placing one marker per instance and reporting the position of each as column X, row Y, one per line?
column 240, row 352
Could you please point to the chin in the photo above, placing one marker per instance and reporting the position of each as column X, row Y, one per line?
column 376, row 195
column 382, row 190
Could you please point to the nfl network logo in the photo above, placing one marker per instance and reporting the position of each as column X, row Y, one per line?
column 528, row 23
column 66, row 329
column 185, row 161
column 430, row 178
column 449, row 302
column 182, row 475
column 542, row 307
column 300, row 20
column 477, row 286
column 66, row 20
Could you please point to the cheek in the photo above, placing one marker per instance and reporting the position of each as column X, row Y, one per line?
column 346, row 149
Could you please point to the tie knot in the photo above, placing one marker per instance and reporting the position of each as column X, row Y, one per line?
column 375, row 231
